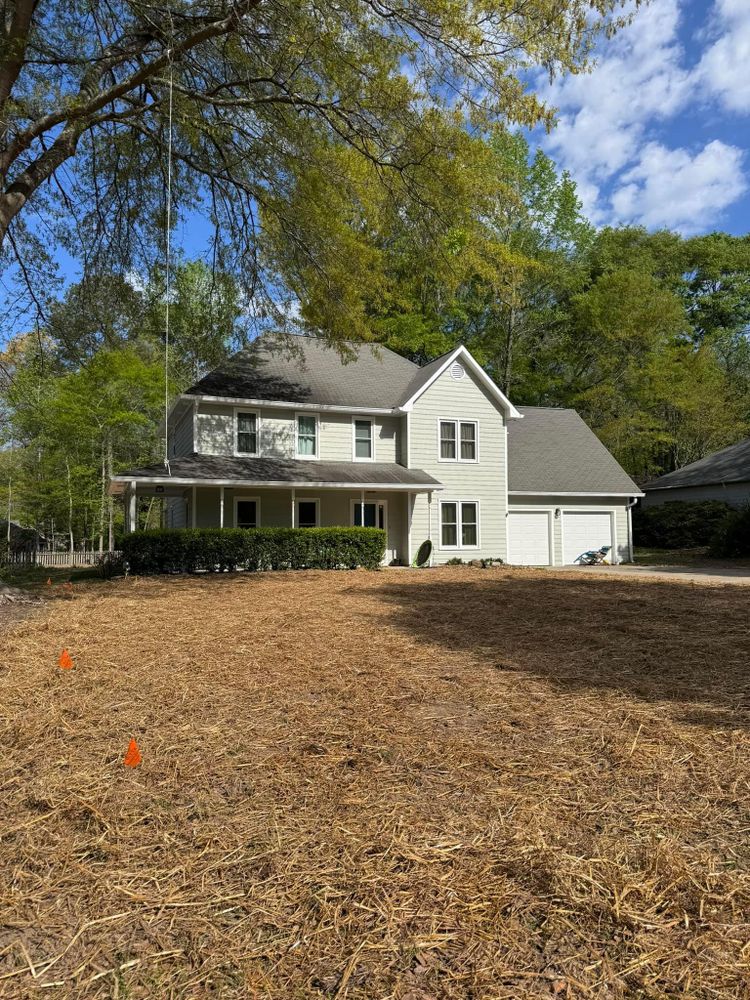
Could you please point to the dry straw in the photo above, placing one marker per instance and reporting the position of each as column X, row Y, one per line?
column 457, row 783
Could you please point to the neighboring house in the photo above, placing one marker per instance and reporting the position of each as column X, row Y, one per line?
column 21, row 539
column 297, row 437
column 725, row 475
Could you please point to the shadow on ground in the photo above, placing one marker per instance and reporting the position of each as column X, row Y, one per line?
column 656, row 641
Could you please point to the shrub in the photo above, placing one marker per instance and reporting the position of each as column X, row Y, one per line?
column 678, row 524
column 732, row 537
column 185, row 550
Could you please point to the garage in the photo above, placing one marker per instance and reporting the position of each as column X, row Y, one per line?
column 585, row 530
column 529, row 538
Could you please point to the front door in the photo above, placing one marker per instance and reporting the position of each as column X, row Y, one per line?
column 375, row 516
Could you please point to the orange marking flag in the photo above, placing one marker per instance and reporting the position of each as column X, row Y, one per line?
column 65, row 661
column 133, row 757
column 49, row 582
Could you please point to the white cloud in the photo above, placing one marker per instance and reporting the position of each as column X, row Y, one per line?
column 610, row 120
column 724, row 69
column 671, row 188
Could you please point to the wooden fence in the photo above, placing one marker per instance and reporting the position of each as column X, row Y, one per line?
column 53, row 559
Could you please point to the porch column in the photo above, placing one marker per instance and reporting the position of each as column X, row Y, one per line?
column 221, row 506
column 429, row 520
column 294, row 507
column 194, row 508
column 362, row 509
column 131, row 509
column 409, row 510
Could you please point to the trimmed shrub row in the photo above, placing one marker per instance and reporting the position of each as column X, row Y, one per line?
column 185, row 550
column 678, row 524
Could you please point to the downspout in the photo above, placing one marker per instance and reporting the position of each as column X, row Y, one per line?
column 629, row 509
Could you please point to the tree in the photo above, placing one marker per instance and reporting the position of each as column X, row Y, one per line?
column 262, row 94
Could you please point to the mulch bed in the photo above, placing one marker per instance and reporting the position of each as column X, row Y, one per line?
column 457, row 783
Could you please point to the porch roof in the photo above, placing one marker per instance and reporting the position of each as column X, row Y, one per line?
column 225, row 470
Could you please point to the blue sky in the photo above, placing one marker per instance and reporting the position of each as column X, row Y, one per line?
column 659, row 133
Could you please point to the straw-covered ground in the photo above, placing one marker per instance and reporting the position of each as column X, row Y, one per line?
column 456, row 783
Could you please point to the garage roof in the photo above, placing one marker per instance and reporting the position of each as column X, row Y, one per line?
column 730, row 465
column 553, row 451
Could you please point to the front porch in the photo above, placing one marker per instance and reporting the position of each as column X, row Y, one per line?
column 201, row 491
column 253, row 507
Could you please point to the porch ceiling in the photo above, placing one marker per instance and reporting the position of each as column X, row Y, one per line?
column 220, row 470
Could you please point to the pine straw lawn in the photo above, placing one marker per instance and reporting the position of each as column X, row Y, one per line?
column 456, row 783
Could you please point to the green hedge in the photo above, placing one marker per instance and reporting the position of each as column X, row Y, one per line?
column 678, row 524
column 732, row 538
column 185, row 550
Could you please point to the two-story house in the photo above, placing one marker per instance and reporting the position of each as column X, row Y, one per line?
column 296, row 436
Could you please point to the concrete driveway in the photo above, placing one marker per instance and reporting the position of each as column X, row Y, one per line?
column 712, row 573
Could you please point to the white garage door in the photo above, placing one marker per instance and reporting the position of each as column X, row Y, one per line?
column 583, row 531
column 528, row 538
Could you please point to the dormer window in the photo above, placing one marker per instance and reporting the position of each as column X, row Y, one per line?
column 247, row 422
column 307, row 435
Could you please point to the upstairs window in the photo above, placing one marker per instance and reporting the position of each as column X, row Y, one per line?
column 448, row 440
column 468, row 442
column 307, row 435
column 363, row 440
column 458, row 440
column 247, row 433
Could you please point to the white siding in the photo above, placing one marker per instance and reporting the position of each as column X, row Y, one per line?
column 176, row 512
column 616, row 504
column 736, row 494
column 181, row 436
column 215, row 434
column 483, row 481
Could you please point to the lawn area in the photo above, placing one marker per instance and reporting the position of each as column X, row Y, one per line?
column 456, row 783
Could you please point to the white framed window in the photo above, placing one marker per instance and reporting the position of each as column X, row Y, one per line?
column 458, row 440
column 459, row 524
column 363, row 434
column 246, row 512
column 307, row 435
column 246, row 432
column 308, row 513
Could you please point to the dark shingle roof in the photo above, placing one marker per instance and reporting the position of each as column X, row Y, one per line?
column 306, row 370
column 730, row 465
column 261, row 471
column 554, row 451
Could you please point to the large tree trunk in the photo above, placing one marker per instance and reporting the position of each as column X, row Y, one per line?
column 102, row 501
column 70, row 507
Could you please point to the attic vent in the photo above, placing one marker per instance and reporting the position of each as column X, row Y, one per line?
column 457, row 370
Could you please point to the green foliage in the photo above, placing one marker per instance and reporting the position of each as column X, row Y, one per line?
column 296, row 126
column 678, row 524
column 732, row 537
column 215, row 549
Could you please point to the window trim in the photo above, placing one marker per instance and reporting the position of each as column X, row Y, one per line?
column 298, row 501
column 459, row 524
column 239, row 499
column 457, row 421
column 364, row 420
column 236, row 433
column 316, row 455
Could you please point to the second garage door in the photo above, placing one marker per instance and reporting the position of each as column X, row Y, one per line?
column 585, row 530
column 528, row 538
